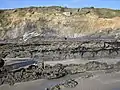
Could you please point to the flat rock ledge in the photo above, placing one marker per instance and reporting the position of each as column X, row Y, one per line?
column 34, row 72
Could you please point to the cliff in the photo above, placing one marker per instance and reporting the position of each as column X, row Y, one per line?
column 24, row 23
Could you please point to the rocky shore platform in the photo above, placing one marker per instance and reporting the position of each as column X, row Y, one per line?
column 53, row 60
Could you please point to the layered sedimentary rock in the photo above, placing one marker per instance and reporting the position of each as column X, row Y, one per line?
column 58, row 33
column 24, row 23
column 61, row 50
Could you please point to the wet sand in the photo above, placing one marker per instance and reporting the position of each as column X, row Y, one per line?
column 102, row 82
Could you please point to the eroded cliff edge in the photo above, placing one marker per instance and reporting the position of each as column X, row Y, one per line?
column 24, row 23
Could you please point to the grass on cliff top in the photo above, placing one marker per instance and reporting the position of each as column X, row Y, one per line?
column 101, row 12
column 107, row 13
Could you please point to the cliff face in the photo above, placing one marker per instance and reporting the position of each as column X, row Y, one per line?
column 56, row 21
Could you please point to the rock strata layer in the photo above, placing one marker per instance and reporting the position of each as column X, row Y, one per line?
column 61, row 50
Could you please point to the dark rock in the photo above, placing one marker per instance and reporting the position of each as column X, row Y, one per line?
column 47, row 66
column 10, row 79
column 2, row 62
column 54, row 73
column 73, row 69
column 2, row 80
column 94, row 65
column 56, row 87
column 70, row 83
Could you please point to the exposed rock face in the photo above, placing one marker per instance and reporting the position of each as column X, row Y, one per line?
column 48, row 31
column 61, row 50
column 25, row 23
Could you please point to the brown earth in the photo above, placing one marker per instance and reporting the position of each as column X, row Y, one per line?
column 56, row 21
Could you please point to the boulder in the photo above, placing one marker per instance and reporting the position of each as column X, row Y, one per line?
column 94, row 65
column 73, row 69
column 71, row 83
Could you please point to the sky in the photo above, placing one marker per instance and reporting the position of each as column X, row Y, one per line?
column 114, row 4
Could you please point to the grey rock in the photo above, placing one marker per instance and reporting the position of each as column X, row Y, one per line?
column 70, row 83
column 94, row 65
